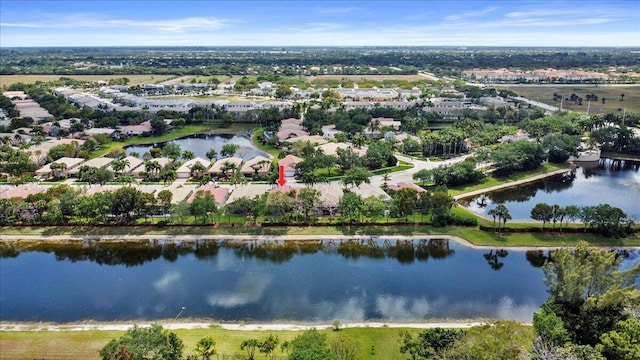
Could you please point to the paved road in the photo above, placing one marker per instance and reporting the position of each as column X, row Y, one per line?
column 407, row 175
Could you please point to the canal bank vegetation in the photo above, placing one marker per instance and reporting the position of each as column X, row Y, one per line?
column 383, row 343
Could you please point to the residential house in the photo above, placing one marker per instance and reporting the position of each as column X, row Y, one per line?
column 184, row 171
column 289, row 162
column 259, row 165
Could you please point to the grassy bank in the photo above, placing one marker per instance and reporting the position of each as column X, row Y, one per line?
column 175, row 134
column 471, row 234
column 86, row 344
column 494, row 181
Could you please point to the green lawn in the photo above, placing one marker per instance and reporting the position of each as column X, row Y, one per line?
column 471, row 234
column 85, row 344
column 493, row 181
column 264, row 147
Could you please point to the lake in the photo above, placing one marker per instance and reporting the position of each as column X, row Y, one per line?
column 201, row 143
column 269, row 281
column 617, row 184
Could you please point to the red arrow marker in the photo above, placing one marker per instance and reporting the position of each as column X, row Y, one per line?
column 281, row 179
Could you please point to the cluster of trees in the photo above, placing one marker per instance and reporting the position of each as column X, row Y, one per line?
column 15, row 162
column 156, row 343
column 604, row 218
column 461, row 173
column 592, row 309
column 519, row 155
column 62, row 204
column 317, row 166
column 303, row 61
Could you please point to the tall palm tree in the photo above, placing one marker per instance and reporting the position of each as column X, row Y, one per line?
column 120, row 165
column 494, row 213
column 168, row 176
column 152, row 168
column 197, row 170
column 503, row 214
column 188, row 155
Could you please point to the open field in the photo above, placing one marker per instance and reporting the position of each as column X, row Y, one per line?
column 610, row 93
column 6, row 80
column 374, row 342
column 361, row 78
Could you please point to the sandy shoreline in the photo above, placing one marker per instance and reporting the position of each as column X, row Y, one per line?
column 188, row 325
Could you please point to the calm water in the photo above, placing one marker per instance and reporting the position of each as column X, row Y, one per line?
column 201, row 143
column 269, row 281
column 594, row 183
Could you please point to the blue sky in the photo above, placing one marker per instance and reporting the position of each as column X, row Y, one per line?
column 319, row 23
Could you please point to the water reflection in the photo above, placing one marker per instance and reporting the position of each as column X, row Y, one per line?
column 312, row 281
column 494, row 259
column 613, row 182
column 201, row 143
column 139, row 253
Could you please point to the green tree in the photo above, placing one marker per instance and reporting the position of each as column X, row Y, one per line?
column 517, row 156
column 542, row 212
column 373, row 207
column 229, row 149
column 623, row 342
column 311, row 345
column 268, row 345
column 203, row 206
column 165, row 196
column 250, row 346
column 589, row 291
column 351, row 206
column 279, row 205
column 309, row 198
column 405, row 202
column 127, row 201
column 501, row 340
column 188, row 155
column 343, row 347
column 212, row 154
column 423, row 176
column 171, row 150
column 144, row 343
column 356, row 176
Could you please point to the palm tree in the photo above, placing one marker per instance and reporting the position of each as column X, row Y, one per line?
column 226, row 166
column 152, row 168
column 494, row 213
column 506, row 215
column 58, row 170
column 188, row 155
column 168, row 176
column 120, row 165
column 212, row 154
column 206, row 347
column 197, row 170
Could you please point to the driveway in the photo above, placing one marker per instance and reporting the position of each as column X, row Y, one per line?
column 407, row 175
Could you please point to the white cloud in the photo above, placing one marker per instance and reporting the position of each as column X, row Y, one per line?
column 469, row 14
column 337, row 10
column 167, row 281
column 91, row 21
column 249, row 290
column 401, row 308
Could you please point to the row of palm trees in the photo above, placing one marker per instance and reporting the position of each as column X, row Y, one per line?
column 502, row 213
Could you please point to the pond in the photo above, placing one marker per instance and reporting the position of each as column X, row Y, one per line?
column 201, row 143
column 614, row 183
column 269, row 281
